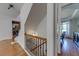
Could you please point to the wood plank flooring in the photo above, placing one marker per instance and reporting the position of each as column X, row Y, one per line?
column 7, row 49
column 69, row 48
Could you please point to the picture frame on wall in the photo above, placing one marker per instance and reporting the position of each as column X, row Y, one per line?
column 15, row 28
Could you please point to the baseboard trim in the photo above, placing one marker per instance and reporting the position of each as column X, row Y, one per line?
column 20, row 45
column 6, row 39
column 59, row 54
column 24, row 49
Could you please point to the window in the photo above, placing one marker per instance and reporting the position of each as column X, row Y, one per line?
column 65, row 27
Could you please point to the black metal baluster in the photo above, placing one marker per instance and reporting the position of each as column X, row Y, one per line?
column 46, row 48
column 40, row 48
column 43, row 48
column 36, row 46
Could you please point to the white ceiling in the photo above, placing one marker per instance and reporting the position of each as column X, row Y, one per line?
column 63, row 4
column 13, row 12
column 71, row 11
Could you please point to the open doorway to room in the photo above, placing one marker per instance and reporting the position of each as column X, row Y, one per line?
column 70, row 30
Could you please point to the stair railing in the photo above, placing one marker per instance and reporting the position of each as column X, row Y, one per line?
column 37, row 45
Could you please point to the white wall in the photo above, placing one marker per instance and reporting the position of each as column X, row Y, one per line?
column 37, row 20
column 6, row 17
column 58, row 28
column 42, row 28
column 23, row 17
column 5, row 27
column 50, row 29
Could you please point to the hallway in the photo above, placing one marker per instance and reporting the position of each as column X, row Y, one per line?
column 6, row 49
column 70, row 48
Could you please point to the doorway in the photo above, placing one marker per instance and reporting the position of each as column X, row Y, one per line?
column 69, row 30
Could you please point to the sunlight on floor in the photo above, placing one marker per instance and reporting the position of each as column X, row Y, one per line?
column 65, row 45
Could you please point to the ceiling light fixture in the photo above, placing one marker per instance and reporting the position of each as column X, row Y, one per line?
column 10, row 6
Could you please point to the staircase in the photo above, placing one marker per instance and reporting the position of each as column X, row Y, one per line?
column 37, row 45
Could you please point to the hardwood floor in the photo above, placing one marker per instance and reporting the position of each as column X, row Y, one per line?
column 6, row 49
column 69, row 48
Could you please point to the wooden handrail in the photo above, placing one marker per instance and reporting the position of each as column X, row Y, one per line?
column 38, row 46
column 35, row 36
column 38, row 43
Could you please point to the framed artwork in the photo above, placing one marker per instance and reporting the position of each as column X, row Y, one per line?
column 15, row 28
